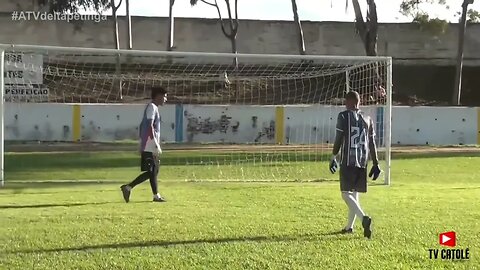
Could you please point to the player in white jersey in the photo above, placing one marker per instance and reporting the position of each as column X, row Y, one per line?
column 150, row 149
column 355, row 135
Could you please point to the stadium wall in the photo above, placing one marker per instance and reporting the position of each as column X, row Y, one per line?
column 405, row 42
column 233, row 124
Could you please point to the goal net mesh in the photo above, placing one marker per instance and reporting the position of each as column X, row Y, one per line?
column 268, row 118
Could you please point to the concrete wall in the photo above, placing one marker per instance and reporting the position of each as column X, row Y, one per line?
column 439, row 126
column 401, row 41
column 234, row 124
column 11, row 5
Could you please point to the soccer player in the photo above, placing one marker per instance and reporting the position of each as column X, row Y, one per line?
column 149, row 146
column 355, row 135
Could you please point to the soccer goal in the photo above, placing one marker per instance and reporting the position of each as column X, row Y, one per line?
column 268, row 118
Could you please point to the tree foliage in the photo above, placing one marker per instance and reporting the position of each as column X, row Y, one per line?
column 473, row 16
column 413, row 9
column 438, row 26
column 74, row 6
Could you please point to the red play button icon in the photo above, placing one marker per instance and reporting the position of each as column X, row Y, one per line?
column 447, row 239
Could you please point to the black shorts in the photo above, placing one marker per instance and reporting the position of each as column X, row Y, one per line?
column 353, row 179
column 148, row 162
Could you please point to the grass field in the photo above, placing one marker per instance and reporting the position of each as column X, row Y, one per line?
column 81, row 221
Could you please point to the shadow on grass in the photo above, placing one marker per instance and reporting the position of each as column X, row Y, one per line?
column 460, row 188
column 52, row 205
column 18, row 186
column 307, row 237
column 29, row 187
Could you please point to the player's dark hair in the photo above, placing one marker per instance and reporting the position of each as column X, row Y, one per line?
column 353, row 96
column 158, row 90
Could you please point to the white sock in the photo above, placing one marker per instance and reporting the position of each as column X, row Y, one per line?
column 156, row 196
column 351, row 219
column 351, row 199
column 128, row 187
column 351, row 212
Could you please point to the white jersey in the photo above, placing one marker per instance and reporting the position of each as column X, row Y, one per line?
column 148, row 137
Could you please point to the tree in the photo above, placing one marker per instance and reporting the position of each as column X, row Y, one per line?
column 298, row 24
column 171, row 26
column 368, row 31
column 118, row 64
column 412, row 8
column 115, row 22
column 231, row 34
column 129, row 25
column 368, row 28
column 461, row 39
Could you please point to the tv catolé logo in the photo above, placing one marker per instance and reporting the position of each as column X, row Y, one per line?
column 449, row 239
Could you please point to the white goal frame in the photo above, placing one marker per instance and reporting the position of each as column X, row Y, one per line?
column 388, row 106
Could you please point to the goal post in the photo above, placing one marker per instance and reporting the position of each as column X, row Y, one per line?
column 2, row 117
column 271, row 118
column 388, row 125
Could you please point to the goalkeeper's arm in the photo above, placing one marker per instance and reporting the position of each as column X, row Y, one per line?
column 372, row 145
column 373, row 151
column 375, row 170
column 337, row 144
column 339, row 134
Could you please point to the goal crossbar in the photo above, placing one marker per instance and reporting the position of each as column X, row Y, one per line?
column 97, row 51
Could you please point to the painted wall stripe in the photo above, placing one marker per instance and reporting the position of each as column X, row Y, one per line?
column 76, row 123
column 279, row 125
column 478, row 125
column 379, row 126
column 178, row 123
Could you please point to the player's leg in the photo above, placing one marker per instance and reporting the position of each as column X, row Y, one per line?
column 154, row 181
column 353, row 204
column 145, row 165
column 353, row 181
column 361, row 187
column 351, row 217
column 351, row 213
column 346, row 180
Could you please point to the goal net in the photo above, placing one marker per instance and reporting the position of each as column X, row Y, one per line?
column 270, row 118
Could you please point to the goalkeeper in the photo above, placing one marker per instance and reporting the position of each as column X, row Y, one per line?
column 355, row 134
column 149, row 146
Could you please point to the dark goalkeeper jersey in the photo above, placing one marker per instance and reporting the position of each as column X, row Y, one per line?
column 357, row 131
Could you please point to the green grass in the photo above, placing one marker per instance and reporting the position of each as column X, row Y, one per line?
column 177, row 165
column 50, row 224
